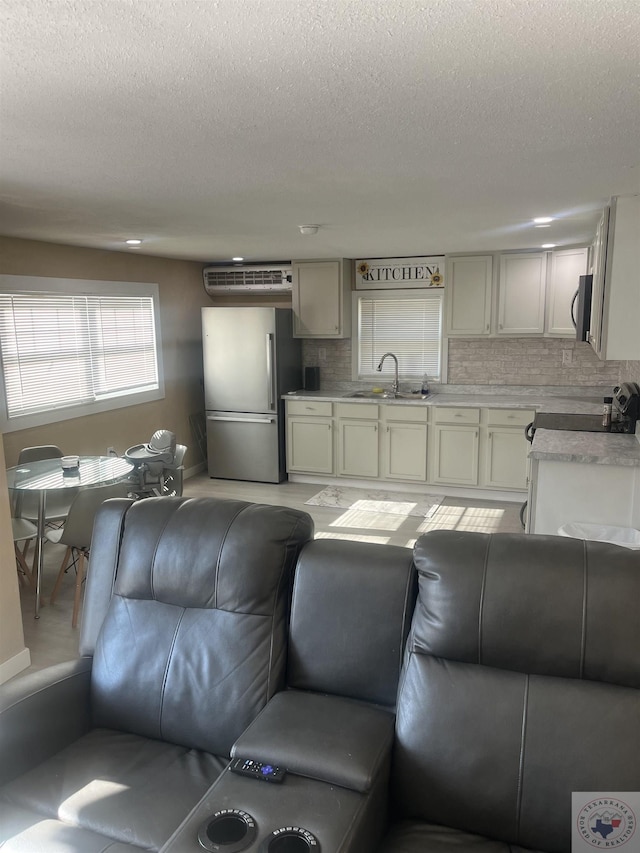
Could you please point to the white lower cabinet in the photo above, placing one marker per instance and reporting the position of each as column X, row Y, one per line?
column 462, row 447
column 404, row 443
column 506, row 448
column 357, row 440
column 309, row 437
column 455, row 454
column 358, row 449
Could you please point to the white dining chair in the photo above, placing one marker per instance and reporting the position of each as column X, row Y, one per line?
column 76, row 535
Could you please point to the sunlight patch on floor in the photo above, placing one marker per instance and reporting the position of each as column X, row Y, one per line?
column 355, row 537
column 368, row 520
column 395, row 507
column 477, row 519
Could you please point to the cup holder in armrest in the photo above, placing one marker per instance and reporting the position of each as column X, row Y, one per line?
column 290, row 839
column 227, row 831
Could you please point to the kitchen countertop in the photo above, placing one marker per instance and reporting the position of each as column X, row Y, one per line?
column 599, row 448
column 538, row 402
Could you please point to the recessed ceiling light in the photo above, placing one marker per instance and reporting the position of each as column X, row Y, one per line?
column 548, row 245
column 133, row 242
column 308, row 230
column 237, row 259
column 540, row 220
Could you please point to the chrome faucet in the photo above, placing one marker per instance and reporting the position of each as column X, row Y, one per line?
column 395, row 384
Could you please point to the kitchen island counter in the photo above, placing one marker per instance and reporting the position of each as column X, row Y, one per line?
column 596, row 448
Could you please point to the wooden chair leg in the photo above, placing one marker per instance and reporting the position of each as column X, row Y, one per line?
column 23, row 567
column 80, row 571
column 63, row 569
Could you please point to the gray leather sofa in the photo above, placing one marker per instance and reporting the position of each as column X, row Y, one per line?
column 520, row 686
column 457, row 722
column 183, row 642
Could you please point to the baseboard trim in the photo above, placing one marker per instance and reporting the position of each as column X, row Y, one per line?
column 14, row 665
column 196, row 469
column 409, row 487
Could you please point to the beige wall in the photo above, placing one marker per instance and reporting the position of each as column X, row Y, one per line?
column 181, row 297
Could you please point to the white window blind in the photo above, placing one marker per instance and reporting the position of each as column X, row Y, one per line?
column 409, row 327
column 63, row 350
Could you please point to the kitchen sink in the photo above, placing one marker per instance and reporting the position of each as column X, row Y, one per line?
column 385, row 395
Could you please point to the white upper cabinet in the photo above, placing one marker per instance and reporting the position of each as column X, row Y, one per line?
column 615, row 306
column 566, row 268
column 321, row 298
column 468, row 295
column 521, row 294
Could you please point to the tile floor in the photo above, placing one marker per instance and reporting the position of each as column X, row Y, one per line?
column 51, row 638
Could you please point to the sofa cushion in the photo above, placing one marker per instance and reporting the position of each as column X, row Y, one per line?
column 193, row 643
column 129, row 789
column 412, row 836
column 537, row 604
column 29, row 832
column 350, row 616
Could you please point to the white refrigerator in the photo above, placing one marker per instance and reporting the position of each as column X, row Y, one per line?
column 250, row 359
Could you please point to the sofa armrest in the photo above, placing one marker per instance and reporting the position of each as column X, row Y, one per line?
column 327, row 738
column 42, row 712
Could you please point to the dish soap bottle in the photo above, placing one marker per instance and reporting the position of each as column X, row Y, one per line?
column 425, row 384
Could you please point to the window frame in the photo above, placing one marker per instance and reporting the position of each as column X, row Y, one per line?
column 20, row 284
column 395, row 294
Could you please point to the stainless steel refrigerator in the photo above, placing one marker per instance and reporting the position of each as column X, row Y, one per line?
column 250, row 360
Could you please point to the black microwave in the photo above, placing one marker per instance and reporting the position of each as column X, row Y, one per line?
column 581, row 307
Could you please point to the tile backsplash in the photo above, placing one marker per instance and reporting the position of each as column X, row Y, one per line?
column 492, row 361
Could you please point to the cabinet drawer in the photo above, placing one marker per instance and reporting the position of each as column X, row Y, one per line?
column 308, row 407
column 454, row 415
column 406, row 414
column 509, row 417
column 361, row 411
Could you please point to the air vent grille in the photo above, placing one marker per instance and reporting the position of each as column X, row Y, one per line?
column 247, row 279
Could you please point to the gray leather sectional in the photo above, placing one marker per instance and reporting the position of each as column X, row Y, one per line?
column 448, row 700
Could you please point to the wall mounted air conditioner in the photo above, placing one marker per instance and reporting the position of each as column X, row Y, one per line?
column 264, row 279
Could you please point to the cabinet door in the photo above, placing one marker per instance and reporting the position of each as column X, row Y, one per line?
column 566, row 269
column 455, row 455
column 468, row 295
column 310, row 445
column 405, row 451
column 521, row 294
column 358, row 449
column 597, row 293
column 321, row 299
column 506, row 459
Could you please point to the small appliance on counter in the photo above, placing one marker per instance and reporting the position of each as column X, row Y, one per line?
column 626, row 407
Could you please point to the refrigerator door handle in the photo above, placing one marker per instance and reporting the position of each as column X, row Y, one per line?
column 241, row 420
column 270, row 369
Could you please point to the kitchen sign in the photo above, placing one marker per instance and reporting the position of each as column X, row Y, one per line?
column 394, row 273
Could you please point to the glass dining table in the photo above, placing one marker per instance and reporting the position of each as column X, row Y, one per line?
column 47, row 475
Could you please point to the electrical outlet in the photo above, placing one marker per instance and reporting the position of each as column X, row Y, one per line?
column 322, row 355
column 567, row 356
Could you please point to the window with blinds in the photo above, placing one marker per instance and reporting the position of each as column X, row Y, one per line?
column 408, row 325
column 67, row 350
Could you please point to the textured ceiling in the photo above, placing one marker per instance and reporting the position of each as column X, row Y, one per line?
column 215, row 128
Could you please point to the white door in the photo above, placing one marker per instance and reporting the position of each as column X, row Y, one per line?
column 316, row 299
column 566, row 268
